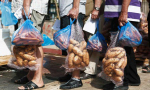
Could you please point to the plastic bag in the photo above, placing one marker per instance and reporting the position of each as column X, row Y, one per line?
column 129, row 35
column 114, row 62
column 27, row 34
column 8, row 17
column 62, row 37
column 97, row 42
column 24, row 57
column 78, row 56
column 47, row 41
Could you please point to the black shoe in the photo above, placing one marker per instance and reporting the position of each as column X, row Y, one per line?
column 71, row 84
column 134, row 84
column 111, row 86
column 87, row 76
column 65, row 78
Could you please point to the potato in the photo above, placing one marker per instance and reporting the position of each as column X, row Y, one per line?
column 117, row 49
column 77, row 51
column 124, row 63
column 77, row 60
column 26, row 56
column 74, row 42
column 104, row 60
column 25, row 62
column 70, row 59
column 112, row 54
column 118, row 72
column 15, row 63
column 86, row 57
column 110, row 67
column 122, row 54
column 119, row 64
column 29, row 47
column 83, row 64
column 70, row 47
column 31, row 52
column 111, row 60
column 83, row 45
column 32, row 63
column 19, row 60
column 73, row 66
column 116, row 78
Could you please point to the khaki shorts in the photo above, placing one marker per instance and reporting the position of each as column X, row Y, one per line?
column 38, row 20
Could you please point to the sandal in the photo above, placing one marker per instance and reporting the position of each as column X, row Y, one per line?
column 31, row 85
column 23, row 80
column 146, row 69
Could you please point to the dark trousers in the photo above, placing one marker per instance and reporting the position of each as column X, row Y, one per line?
column 65, row 21
column 148, row 19
column 130, row 71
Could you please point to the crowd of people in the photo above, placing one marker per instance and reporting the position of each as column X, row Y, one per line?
column 118, row 11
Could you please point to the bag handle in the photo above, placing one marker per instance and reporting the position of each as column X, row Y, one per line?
column 26, row 14
column 98, row 20
column 71, row 22
column 119, row 27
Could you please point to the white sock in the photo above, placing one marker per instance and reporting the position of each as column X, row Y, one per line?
column 76, row 79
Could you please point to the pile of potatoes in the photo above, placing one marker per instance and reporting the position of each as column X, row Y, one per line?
column 114, row 63
column 78, row 55
column 25, row 55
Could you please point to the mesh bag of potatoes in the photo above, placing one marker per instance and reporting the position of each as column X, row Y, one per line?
column 114, row 62
column 24, row 57
column 78, row 56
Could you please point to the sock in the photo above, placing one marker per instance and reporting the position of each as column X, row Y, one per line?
column 75, row 79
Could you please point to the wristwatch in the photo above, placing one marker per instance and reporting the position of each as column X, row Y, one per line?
column 97, row 8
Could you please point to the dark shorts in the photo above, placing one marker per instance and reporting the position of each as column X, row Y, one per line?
column 65, row 20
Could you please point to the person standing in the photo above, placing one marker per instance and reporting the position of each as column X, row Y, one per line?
column 119, row 12
column 74, row 9
column 91, row 69
column 34, row 79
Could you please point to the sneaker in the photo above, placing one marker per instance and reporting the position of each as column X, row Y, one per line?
column 111, row 86
column 134, row 84
column 65, row 78
column 72, row 83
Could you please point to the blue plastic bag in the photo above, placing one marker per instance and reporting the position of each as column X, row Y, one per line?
column 129, row 35
column 47, row 41
column 27, row 34
column 97, row 42
column 62, row 37
column 8, row 17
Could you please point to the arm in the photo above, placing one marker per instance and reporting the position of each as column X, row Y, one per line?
column 73, row 13
column 26, row 6
column 95, row 13
column 124, row 12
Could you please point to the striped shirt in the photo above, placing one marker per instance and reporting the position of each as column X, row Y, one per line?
column 113, row 9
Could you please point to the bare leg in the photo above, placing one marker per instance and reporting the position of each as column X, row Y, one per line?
column 36, row 76
column 76, row 74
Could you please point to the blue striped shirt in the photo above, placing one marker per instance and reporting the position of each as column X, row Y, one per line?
column 113, row 9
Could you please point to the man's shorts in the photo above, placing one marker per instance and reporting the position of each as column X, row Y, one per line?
column 38, row 20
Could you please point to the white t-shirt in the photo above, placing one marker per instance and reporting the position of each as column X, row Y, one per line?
column 66, row 5
column 40, row 6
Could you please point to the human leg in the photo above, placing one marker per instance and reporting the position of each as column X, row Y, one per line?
column 36, row 76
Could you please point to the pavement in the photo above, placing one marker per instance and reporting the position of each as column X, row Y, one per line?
column 52, row 71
